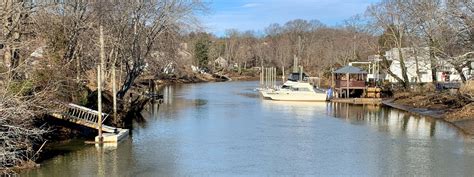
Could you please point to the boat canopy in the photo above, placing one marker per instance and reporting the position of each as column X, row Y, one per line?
column 296, row 77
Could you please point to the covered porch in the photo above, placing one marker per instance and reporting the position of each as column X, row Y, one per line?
column 349, row 82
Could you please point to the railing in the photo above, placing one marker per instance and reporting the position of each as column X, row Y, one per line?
column 82, row 113
column 343, row 83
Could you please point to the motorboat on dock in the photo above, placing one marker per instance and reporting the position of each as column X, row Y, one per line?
column 295, row 91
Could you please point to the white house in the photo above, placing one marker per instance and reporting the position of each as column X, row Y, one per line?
column 374, row 72
column 410, row 56
column 445, row 71
column 221, row 62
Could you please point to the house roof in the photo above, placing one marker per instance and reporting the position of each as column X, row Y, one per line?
column 350, row 70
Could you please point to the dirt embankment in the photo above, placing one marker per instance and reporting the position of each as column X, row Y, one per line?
column 456, row 107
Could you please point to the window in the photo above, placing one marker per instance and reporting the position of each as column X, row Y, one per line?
column 302, row 89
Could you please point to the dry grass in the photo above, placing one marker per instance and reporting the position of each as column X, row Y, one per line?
column 466, row 92
column 457, row 106
column 468, row 89
column 466, row 112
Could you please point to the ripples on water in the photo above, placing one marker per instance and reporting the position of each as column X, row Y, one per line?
column 221, row 129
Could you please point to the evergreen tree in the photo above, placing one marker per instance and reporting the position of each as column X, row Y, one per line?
column 201, row 51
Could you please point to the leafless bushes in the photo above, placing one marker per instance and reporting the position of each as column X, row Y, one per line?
column 467, row 90
column 67, row 34
column 18, row 134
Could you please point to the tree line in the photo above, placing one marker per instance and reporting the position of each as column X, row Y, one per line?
column 445, row 27
column 50, row 49
column 317, row 46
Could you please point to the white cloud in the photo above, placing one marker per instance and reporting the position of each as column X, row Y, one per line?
column 250, row 5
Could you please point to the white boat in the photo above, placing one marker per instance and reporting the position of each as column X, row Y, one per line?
column 296, row 88
column 295, row 91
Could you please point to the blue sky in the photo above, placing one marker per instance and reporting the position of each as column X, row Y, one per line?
column 257, row 14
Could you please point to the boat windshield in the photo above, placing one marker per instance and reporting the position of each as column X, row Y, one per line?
column 301, row 89
column 319, row 90
column 296, row 76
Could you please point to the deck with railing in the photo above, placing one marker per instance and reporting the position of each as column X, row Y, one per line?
column 352, row 84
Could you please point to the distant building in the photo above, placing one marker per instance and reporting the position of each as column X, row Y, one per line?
column 420, row 56
column 446, row 72
column 410, row 56
column 220, row 62
column 375, row 72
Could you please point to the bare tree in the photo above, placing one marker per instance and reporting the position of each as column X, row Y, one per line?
column 388, row 16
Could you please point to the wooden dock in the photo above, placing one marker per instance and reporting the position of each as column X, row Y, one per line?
column 374, row 101
column 89, row 118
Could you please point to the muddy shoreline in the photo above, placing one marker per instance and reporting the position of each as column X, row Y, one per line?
column 466, row 126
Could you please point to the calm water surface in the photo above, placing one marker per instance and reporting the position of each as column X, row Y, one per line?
column 225, row 129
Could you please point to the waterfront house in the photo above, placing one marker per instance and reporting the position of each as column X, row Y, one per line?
column 415, row 59
column 418, row 59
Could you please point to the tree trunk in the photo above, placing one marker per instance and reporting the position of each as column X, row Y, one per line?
column 433, row 62
column 403, row 68
column 128, row 82
column 418, row 74
column 461, row 74
column 386, row 66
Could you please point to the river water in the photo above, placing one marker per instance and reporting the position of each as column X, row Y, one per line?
column 225, row 129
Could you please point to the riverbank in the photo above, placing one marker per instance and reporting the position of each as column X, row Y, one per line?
column 61, row 132
column 456, row 108
column 205, row 77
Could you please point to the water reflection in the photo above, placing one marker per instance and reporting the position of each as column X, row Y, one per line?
column 167, row 92
column 224, row 129
column 303, row 110
column 389, row 120
column 88, row 161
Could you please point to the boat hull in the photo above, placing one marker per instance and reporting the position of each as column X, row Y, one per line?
column 288, row 96
column 264, row 93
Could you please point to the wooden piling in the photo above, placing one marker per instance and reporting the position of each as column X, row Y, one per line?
column 266, row 77
column 99, row 102
column 301, row 73
column 262, row 78
column 274, row 77
column 283, row 74
column 271, row 78
column 114, row 93
column 319, row 79
column 347, row 84
column 102, row 54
